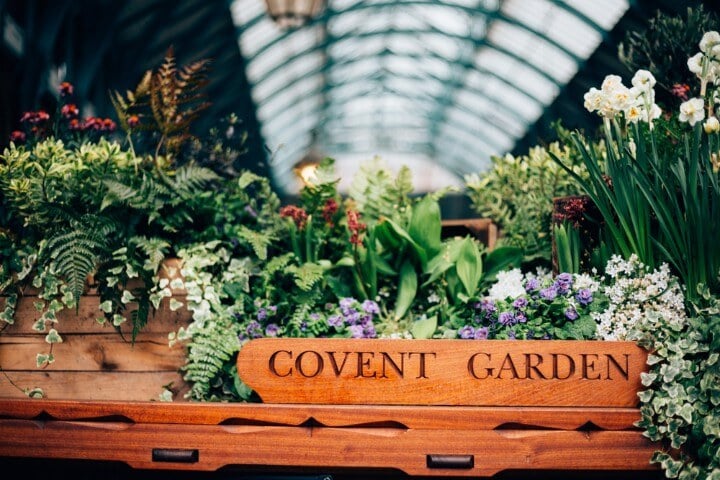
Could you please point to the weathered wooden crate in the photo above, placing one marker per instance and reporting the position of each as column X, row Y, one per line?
column 94, row 361
column 484, row 229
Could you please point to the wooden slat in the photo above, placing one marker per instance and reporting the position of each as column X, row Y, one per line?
column 397, row 448
column 103, row 352
column 119, row 386
column 419, row 417
column 85, row 319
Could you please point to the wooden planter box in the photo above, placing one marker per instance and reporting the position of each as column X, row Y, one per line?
column 429, row 408
column 94, row 361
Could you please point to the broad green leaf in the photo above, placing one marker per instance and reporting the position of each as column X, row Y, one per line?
column 500, row 259
column 406, row 290
column 469, row 266
column 424, row 328
column 426, row 225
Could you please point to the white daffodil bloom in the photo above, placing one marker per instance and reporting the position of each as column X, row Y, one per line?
column 709, row 40
column 610, row 83
column 711, row 125
column 695, row 64
column 594, row 98
column 635, row 113
column 643, row 80
column 692, row 111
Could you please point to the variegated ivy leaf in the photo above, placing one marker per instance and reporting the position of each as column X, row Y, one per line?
column 36, row 392
column 647, row 379
column 118, row 320
column 106, row 306
column 130, row 271
column 42, row 359
column 49, row 316
column 8, row 316
column 39, row 306
column 177, row 284
column 155, row 298
column 53, row 336
column 127, row 297
column 116, row 270
column 165, row 396
column 112, row 281
column 39, row 325
column 101, row 320
column 175, row 305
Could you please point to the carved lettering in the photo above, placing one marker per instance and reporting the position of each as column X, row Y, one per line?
column 272, row 366
column 387, row 360
column 363, row 364
column 533, row 366
column 333, row 362
column 508, row 364
column 569, row 365
column 588, row 367
column 300, row 366
column 471, row 366
column 422, row 371
column 625, row 372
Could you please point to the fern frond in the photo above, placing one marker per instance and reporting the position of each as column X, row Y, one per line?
column 258, row 240
column 208, row 352
column 307, row 275
column 75, row 254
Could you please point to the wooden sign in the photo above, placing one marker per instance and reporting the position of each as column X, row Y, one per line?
column 444, row 372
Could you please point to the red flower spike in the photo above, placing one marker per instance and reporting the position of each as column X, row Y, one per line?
column 66, row 88
column 355, row 226
column 70, row 110
column 298, row 215
column 17, row 136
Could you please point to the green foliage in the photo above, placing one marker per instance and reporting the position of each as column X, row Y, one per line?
column 680, row 408
column 517, row 194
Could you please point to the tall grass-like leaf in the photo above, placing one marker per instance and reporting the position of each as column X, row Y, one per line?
column 426, row 225
column 469, row 266
column 407, row 289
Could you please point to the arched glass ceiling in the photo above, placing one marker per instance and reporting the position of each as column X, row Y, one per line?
column 440, row 86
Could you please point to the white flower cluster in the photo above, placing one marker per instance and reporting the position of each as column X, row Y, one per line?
column 635, row 294
column 706, row 66
column 636, row 103
column 509, row 284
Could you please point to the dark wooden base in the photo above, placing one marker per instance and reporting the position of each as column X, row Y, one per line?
column 425, row 441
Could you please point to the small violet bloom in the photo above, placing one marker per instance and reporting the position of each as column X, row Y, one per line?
column 507, row 318
column 370, row 306
column 481, row 333
column 584, row 296
column 466, row 332
column 272, row 330
column 549, row 293
column 520, row 302
column 571, row 313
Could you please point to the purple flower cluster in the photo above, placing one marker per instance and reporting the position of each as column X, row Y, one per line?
column 549, row 308
column 356, row 317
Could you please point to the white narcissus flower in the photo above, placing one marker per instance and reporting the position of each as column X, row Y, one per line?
column 621, row 98
column 692, row 111
column 635, row 113
column 694, row 64
column 711, row 125
column 655, row 111
column 610, row 83
column 709, row 40
column 594, row 98
column 643, row 80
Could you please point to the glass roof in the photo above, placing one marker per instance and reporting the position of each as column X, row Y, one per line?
column 439, row 86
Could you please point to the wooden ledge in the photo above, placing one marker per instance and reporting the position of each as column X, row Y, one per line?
column 418, row 440
column 425, row 417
